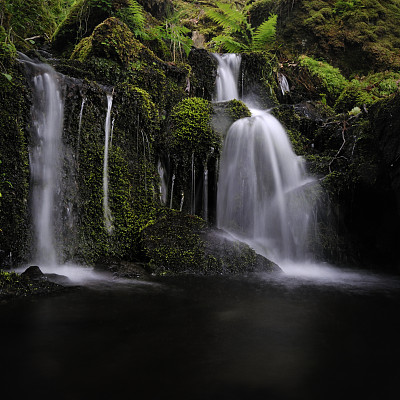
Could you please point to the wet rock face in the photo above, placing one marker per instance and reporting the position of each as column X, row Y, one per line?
column 157, row 8
column 386, row 125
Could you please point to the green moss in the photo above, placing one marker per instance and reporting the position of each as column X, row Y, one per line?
column 237, row 109
column 367, row 90
column 132, row 174
column 113, row 40
column 191, row 130
column 259, row 72
column 333, row 82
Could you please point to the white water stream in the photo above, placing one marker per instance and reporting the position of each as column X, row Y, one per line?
column 107, row 129
column 45, row 156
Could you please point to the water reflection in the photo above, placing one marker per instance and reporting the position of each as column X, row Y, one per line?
column 193, row 337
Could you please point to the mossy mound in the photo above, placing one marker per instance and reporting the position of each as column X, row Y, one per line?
column 81, row 20
column 113, row 40
column 179, row 243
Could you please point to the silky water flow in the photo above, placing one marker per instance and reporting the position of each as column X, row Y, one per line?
column 265, row 197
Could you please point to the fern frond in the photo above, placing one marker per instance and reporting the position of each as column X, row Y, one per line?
column 229, row 44
column 228, row 18
column 265, row 33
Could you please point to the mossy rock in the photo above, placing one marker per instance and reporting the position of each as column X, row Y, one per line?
column 81, row 20
column 226, row 113
column 191, row 130
column 177, row 243
column 204, row 72
column 259, row 71
column 113, row 40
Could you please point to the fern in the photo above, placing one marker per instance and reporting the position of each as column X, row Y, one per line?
column 230, row 19
column 265, row 33
column 133, row 16
column 237, row 33
column 229, row 44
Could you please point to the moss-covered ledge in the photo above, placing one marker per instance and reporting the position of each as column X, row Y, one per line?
column 179, row 244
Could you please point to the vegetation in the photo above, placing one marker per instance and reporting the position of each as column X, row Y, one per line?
column 238, row 35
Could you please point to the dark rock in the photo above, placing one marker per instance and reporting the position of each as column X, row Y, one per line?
column 125, row 269
column 34, row 273
column 157, row 8
column 59, row 279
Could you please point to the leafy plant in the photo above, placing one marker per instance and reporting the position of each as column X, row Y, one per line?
column 134, row 17
column 237, row 33
column 176, row 34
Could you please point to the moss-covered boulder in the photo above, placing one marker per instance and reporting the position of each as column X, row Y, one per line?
column 178, row 243
column 112, row 40
column 83, row 17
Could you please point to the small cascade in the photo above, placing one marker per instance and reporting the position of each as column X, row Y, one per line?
column 260, row 187
column 193, row 192
column 172, row 191
column 163, row 183
column 283, row 83
column 227, row 76
column 205, row 193
column 107, row 129
column 45, row 157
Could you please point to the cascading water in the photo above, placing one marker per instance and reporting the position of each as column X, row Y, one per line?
column 227, row 76
column 107, row 130
column 45, row 155
column 260, row 196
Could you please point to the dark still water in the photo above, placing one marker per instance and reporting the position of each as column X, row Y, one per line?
column 242, row 337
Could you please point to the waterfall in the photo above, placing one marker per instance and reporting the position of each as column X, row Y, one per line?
column 107, row 130
column 260, row 196
column 45, row 156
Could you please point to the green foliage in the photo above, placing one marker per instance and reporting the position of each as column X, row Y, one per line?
column 176, row 34
column 7, row 48
column 238, row 35
column 367, row 90
column 341, row 7
column 86, row 15
column 133, row 16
